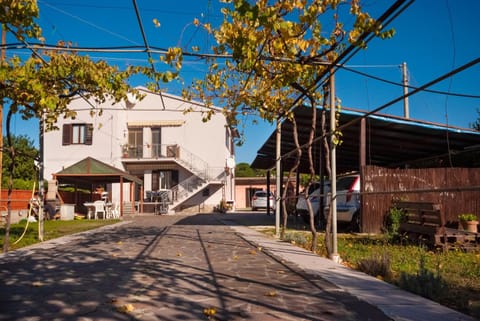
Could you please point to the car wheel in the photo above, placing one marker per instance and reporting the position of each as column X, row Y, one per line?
column 355, row 223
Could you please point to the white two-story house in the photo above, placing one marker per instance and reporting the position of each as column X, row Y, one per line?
column 173, row 152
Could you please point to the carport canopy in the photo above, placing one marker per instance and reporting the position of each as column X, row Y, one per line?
column 91, row 171
column 381, row 140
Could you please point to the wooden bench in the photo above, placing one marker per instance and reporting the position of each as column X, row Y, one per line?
column 424, row 222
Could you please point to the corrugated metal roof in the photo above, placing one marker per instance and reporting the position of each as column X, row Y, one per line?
column 390, row 142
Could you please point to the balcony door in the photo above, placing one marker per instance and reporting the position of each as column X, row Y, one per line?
column 135, row 142
column 156, row 142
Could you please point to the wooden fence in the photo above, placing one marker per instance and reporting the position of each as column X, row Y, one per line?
column 457, row 190
column 19, row 199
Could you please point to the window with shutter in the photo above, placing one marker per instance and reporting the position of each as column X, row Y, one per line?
column 89, row 134
column 77, row 134
column 67, row 134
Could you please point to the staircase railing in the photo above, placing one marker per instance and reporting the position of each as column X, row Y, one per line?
column 182, row 190
column 193, row 163
column 190, row 185
column 202, row 172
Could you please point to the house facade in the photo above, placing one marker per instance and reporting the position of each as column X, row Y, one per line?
column 175, row 153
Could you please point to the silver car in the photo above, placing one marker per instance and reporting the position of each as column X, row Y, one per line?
column 348, row 201
column 260, row 200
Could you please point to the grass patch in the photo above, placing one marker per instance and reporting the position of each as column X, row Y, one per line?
column 52, row 230
column 450, row 278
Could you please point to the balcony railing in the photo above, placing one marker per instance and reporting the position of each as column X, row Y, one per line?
column 187, row 158
column 133, row 152
column 157, row 151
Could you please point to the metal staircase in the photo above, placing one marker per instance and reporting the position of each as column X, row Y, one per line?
column 201, row 177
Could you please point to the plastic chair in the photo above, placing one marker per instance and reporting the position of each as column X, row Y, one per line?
column 115, row 211
column 99, row 209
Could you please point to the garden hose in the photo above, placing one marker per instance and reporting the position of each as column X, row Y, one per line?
column 28, row 218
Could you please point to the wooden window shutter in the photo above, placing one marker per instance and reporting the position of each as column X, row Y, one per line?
column 89, row 134
column 67, row 134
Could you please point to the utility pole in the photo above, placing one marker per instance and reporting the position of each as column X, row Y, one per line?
column 333, row 203
column 278, row 168
column 41, row 192
column 2, row 59
column 405, row 90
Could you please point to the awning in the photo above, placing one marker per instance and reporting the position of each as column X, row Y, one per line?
column 157, row 123
column 92, row 171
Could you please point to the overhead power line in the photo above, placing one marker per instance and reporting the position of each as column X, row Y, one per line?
column 417, row 90
column 448, row 93
column 149, row 53
column 88, row 23
column 396, row 100
column 388, row 16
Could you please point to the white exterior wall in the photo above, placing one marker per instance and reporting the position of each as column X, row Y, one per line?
column 205, row 140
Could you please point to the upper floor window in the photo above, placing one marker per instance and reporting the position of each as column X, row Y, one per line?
column 77, row 134
column 135, row 142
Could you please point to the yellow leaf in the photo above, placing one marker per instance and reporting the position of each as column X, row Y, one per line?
column 37, row 283
column 179, row 254
column 271, row 293
column 209, row 311
column 126, row 308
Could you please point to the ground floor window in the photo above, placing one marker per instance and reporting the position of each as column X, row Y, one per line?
column 164, row 179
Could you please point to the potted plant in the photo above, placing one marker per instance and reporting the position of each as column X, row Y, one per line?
column 125, row 150
column 469, row 222
column 222, row 207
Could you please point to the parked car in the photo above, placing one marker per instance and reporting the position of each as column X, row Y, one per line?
column 348, row 201
column 260, row 200
column 314, row 194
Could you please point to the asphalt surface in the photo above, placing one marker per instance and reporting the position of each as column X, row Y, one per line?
column 197, row 267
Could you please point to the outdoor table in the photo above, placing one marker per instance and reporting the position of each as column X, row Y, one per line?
column 91, row 209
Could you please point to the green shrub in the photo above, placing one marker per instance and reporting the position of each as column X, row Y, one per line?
column 392, row 224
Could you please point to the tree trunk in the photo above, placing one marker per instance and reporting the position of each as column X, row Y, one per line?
column 312, row 171
column 11, row 150
column 292, row 170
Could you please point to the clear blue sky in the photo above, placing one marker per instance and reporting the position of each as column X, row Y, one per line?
column 432, row 36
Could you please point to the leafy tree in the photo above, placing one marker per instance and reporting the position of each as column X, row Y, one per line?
column 276, row 52
column 43, row 85
column 25, row 172
column 244, row 170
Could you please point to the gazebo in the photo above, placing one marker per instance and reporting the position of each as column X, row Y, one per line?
column 90, row 173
